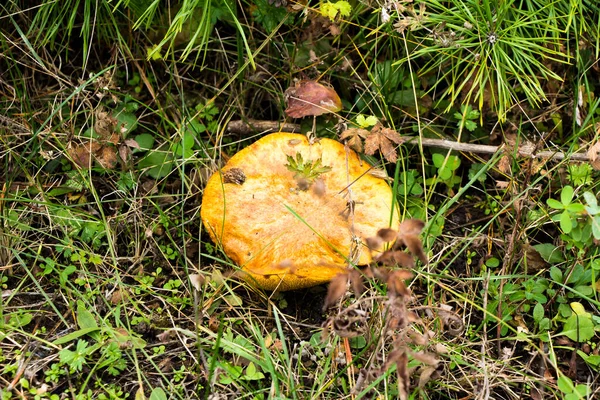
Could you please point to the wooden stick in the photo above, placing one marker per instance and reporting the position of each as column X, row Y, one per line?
column 251, row 126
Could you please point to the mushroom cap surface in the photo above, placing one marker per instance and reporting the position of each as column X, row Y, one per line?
column 284, row 231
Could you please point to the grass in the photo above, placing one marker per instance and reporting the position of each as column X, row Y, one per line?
column 111, row 288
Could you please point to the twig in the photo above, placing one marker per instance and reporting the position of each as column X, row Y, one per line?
column 250, row 126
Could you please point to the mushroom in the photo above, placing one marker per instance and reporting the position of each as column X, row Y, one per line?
column 292, row 214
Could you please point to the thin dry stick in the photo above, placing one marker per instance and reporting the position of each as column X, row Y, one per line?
column 251, row 126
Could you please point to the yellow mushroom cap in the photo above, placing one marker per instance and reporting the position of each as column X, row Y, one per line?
column 286, row 232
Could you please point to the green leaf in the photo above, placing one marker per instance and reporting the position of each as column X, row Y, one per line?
column 85, row 319
column 438, row 160
column 566, row 195
column 556, row 274
column 596, row 227
column 565, row 222
column 445, row 173
column 538, row 312
column 74, row 335
column 579, row 328
column 565, row 384
column 127, row 122
column 158, row 163
column 579, row 309
column 344, row 7
column 145, row 141
column 557, row 205
column 358, row 342
column 158, row 394
column 592, row 202
column 550, row 253
column 470, row 126
column 252, row 373
column 268, row 15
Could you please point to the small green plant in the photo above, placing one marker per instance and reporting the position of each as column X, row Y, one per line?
column 446, row 167
column 571, row 391
column 366, row 122
column 332, row 10
column 467, row 118
column 306, row 169
column 580, row 174
column 411, row 183
column 570, row 210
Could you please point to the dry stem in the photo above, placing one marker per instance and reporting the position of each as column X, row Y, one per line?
column 250, row 126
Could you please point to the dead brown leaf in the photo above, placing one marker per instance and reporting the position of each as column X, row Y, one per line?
column 82, row 154
column 310, row 98
column 594, row 155
column 355, row 137
column 383, row 140
column 403, row 376
column 387, row 234
column 414, row 245
column 396, row 285
column 105, row 124
column 411, row 226
column 337, row 288
column 107, row 157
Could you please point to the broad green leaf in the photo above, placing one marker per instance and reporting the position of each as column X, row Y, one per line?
column 592, row 202
column 438, row 160
column 252, row 373
column 579, row 328
column 550, row 253
column 159, row 163
column 85, row 319
column 565, row 222
column 344, row 7
column 565, row 384
column 158, row 394
column 578, row 308
column 145, row 141
column 358, row 342
column 538, row 312
column 566, row 195
column 445, row 173
column 592, row 360
column 556, row 274
column 127, row 122
column 596, row 227
column 233, row 300
column 557, row 205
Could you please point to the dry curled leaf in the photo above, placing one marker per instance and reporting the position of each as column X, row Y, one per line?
column 337, row 288
column 414, row 245
column 403, row 376
column 593, row 154
column 105, row 124
column 383, row 140
column 411, row 226
column 387, row 235
column 355, row 137
column 82, row 154
column 197, row 281
column 452, row 322
column 356, row 281
column 310, row 98
column 107, row 157
column 396, row 285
